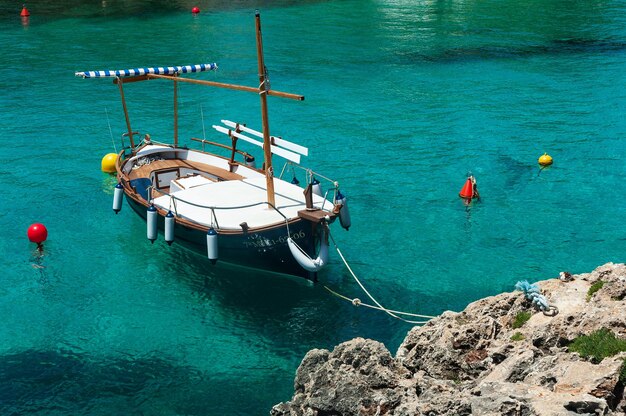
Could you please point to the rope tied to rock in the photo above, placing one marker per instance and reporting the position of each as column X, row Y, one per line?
column 539, row 301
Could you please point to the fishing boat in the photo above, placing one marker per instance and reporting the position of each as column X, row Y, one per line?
column 221, row 205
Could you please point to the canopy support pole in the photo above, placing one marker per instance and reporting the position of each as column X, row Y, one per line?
column 130, row 131
column 175, row 111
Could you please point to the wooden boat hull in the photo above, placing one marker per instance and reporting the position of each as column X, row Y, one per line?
column 266, row 249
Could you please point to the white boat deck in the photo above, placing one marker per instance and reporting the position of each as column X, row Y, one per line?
column 193, row 202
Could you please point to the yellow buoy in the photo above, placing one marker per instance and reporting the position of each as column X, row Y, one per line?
column 545, row 160
column 108, row 162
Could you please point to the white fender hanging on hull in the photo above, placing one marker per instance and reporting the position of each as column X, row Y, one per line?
column 317, row 187
column 344, row 213
column 151, row 224
column 303, row 259
column 211, row 245
column 117, row 198
column 169, row 227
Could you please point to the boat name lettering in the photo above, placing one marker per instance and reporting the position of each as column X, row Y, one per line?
column 266, row 242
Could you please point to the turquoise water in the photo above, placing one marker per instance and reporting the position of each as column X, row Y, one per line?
column 403, row 98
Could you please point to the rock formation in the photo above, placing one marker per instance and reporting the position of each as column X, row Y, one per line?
column 476, row 363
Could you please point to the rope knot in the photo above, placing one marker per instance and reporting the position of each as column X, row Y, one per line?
column 356, row 302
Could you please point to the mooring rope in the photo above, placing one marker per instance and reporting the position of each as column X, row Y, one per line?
column 357, row 301
column 110, row 131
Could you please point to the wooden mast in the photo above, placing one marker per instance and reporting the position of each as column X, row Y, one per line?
column 267, row 151
column 263, row 90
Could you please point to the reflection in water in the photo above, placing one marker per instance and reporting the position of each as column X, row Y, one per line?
column 108, row 184
column 459, row 31
column 488, row 52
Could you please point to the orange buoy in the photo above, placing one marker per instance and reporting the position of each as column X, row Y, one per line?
column 24, row 12
column 469, row 190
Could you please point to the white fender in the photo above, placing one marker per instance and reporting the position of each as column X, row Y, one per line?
column 151, row 223
column 117, row 198
column 169, row 228
column 211, row 245
column 344, row 213
column 317, row 187
column 303, row 259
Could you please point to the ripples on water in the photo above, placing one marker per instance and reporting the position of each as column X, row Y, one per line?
column 403, row 99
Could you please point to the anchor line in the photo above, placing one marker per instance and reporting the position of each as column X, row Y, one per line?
column 378, row 306
column 110, row 131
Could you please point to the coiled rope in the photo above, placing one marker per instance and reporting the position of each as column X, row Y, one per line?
column 357, row 301
column 539, row 301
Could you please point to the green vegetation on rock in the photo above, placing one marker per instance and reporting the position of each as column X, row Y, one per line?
column 594, row 288
column 598, row 345
column 520, row 319
column 517, row 337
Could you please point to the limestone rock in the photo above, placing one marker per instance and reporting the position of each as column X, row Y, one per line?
column 475, row 363
column 358, row 377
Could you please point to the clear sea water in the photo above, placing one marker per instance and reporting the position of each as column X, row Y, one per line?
column 403, row 99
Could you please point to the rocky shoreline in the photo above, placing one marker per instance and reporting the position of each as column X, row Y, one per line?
column 500, row 356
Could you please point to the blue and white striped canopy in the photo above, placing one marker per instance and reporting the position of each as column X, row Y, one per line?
column 161, row 70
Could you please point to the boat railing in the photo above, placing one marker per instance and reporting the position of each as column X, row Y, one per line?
column 129, row 147
column 154, row 142
column 246, row 156
column 174, row 198
column 310, row 175
column 147, row 140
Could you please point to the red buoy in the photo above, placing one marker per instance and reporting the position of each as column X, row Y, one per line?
column 37, row 233
column 469, row 190
column 24, row 12
column 195, row 10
